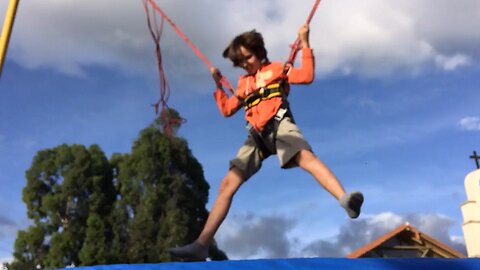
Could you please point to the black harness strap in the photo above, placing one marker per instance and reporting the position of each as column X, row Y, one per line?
column 261, row 138
column 264, row 93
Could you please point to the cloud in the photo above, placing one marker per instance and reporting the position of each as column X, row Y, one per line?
column 353, row 235
column 7, row 227
column 6, row 221
column 437, row 226
column 250, row 236
column 356, row 234
column 452, row 62
column 5, row 260
column 470, row 123
column 71, row 35
column 364, row 103
column 367, row 38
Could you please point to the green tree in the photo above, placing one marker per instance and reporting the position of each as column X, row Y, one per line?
column 29, row 250
column 88, row 210
column 162, row 193
column 66, row 185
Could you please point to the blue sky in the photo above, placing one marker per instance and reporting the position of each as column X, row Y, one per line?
column 393, row 109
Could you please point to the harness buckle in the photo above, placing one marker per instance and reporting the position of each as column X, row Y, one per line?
column 280, row 114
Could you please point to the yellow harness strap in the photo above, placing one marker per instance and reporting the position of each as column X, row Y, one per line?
column 264, row 93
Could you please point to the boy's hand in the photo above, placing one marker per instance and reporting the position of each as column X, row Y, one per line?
column 217, row 77
column 303, row 34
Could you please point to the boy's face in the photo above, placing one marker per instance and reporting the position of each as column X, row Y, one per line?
column 250, row 63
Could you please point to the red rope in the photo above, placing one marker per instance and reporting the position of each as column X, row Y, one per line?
column 224, row 80
column 168, row 121
column 156, row 32
column 296, row 45
column 164, row 89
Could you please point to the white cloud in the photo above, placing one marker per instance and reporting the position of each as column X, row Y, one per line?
column 251, row 236
column 353, row 235
column 369, row 38
column 356, row 234
column 69, row 35
column 5, row 260
column 470, row 123
column 452, row 62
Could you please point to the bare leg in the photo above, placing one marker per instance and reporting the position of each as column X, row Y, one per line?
column 324, row 176
column 198, row 250
column 351, row 202
column 229, row 186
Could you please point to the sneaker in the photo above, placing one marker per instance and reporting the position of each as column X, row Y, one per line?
column 352, row 203
column 194, row 251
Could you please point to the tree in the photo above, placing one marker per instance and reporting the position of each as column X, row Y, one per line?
column 66, row 187
column 88, row 210
column 162, row 193
column 29, row 250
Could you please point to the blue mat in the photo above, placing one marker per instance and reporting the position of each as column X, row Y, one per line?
column 306, row 264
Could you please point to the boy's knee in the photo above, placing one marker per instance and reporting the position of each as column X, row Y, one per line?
column 229, row 185
column 226, row 189
column 304, row 156
column 224, row 186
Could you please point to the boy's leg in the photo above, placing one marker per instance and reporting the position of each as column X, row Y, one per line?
column 229, row 186
column 198, row 250
column 324, row 176
column 352, row 202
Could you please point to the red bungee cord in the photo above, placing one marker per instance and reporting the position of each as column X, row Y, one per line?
column 194, row 48
column 168, row 121
column 156, row 31
column 296, row 45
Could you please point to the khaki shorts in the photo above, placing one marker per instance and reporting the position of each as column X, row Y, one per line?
column 289, row 141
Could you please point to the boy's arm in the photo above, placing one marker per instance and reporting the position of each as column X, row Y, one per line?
column 227, row 105
column 305, row 73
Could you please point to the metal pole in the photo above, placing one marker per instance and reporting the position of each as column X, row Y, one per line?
column 7, row 30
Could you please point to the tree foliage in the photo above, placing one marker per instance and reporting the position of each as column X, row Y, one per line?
column 88, row 210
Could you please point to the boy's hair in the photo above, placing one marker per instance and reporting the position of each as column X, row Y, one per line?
column 252, row 41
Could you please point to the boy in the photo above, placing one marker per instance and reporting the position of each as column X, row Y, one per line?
column 263, row 91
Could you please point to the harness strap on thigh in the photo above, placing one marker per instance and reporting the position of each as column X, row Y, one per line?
column 259, row 140
column 271, row 127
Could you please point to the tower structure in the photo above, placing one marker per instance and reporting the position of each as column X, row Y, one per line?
column 471, row 214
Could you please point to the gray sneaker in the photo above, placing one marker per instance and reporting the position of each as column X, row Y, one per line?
column 352, row 203
column 194, row 251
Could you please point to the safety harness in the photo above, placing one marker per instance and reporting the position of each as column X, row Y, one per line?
column 261, row 138
column 264, row 93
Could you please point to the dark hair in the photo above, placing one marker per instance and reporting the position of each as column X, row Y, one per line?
column 252, row 41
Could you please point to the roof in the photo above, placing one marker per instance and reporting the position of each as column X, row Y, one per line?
column 306, row 264
column 406, row 241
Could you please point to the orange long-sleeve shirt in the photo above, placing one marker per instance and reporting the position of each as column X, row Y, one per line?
column 269, row 73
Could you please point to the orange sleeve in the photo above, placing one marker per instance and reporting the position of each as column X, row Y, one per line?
column 227, row 105
column 306, row 72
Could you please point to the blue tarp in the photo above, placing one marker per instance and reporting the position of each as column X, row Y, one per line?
column 306, row 264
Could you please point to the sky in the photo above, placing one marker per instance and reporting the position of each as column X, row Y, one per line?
column 393, row 109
